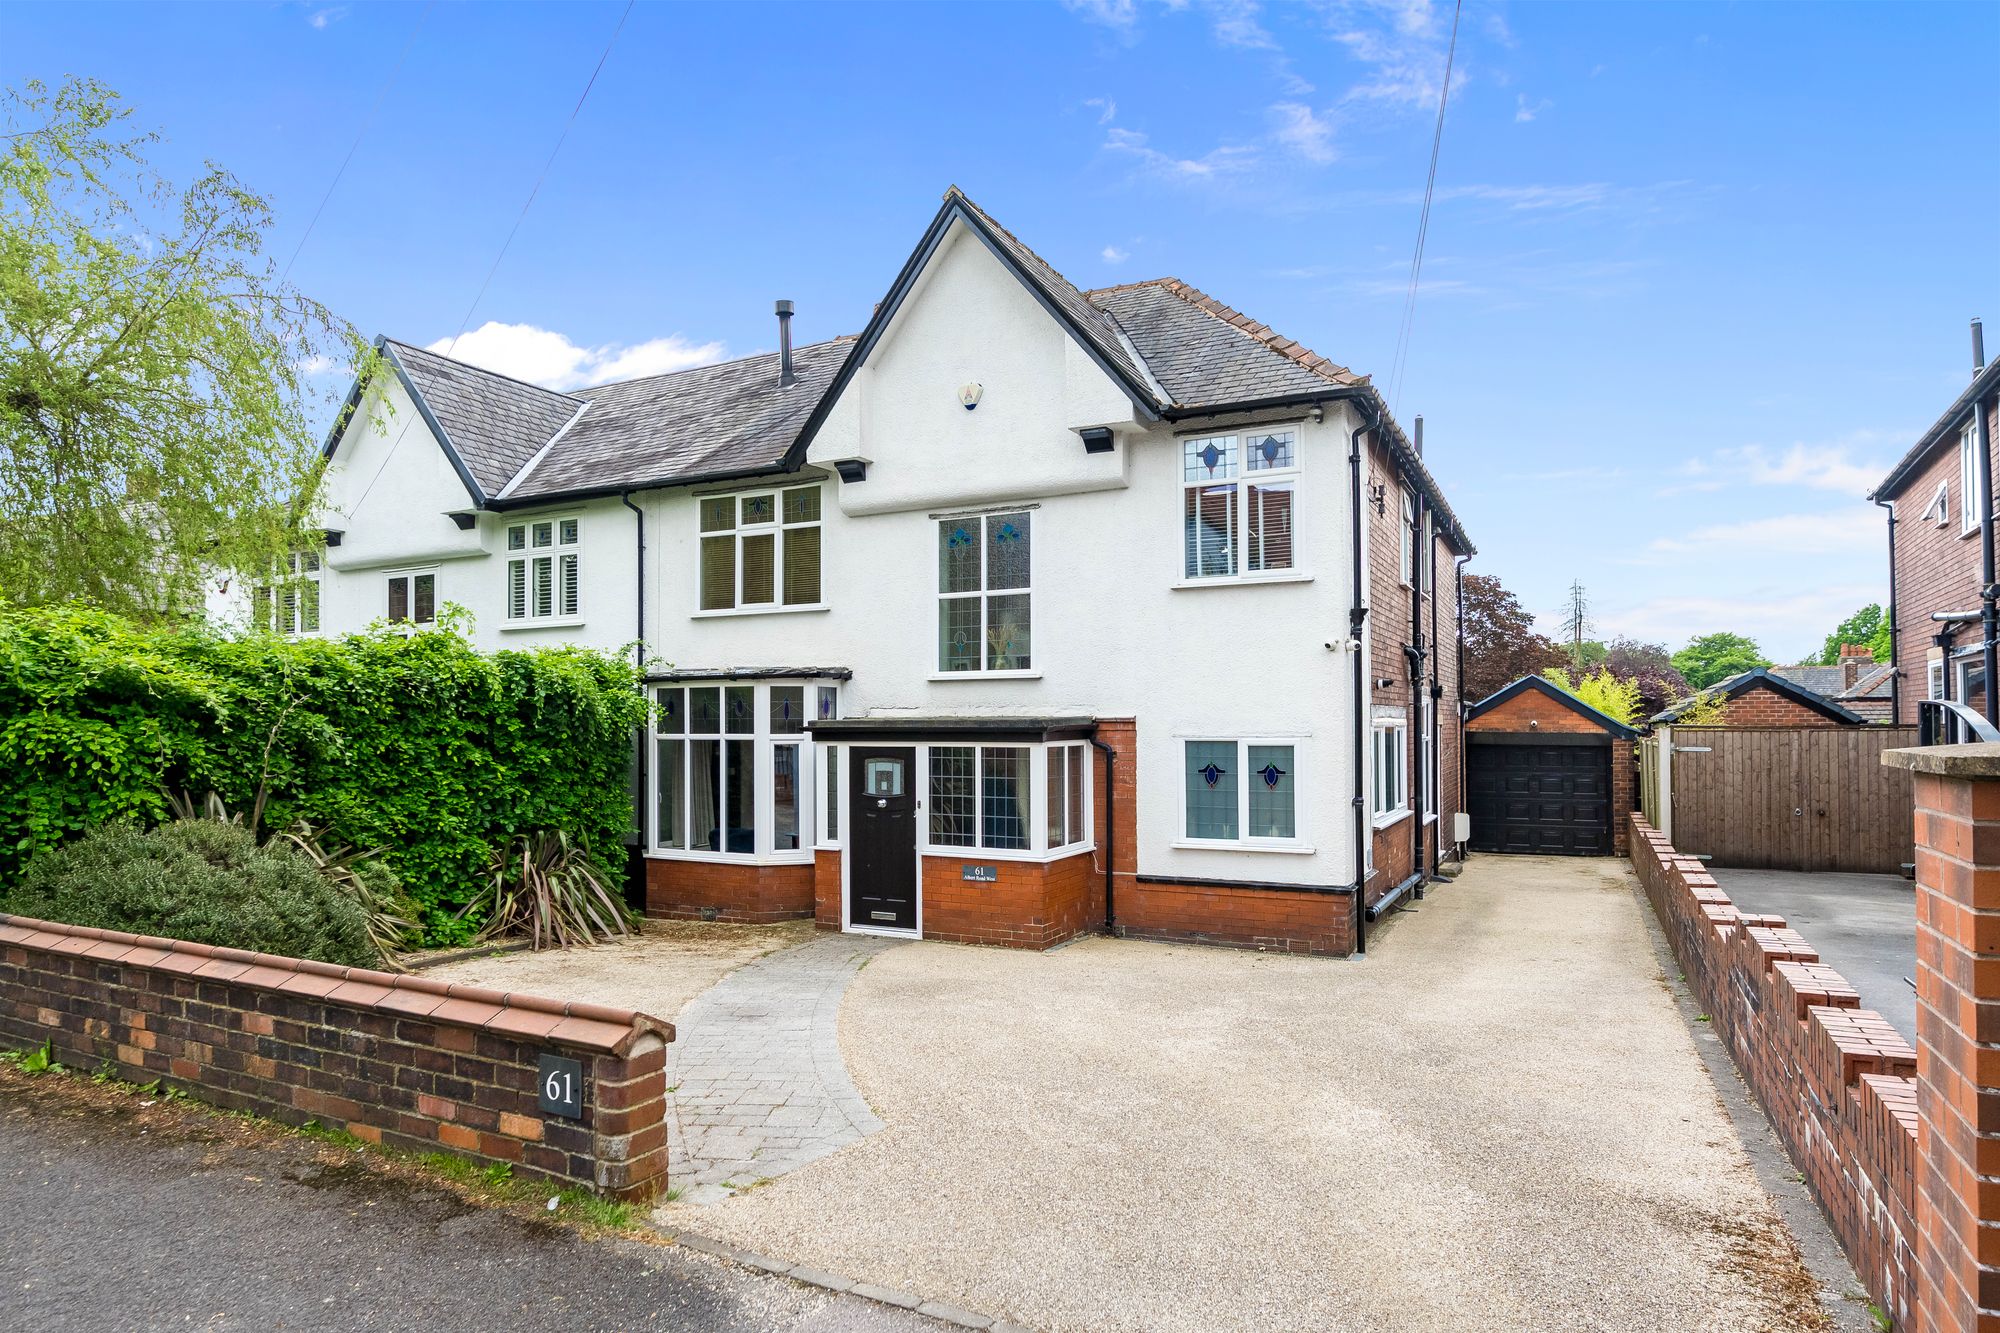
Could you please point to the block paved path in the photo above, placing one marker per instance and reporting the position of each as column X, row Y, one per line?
column 759, row 1087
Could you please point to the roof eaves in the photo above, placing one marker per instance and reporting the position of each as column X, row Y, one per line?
column 1985, row 382
column 472, row 486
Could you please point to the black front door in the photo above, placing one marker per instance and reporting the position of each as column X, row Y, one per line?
column 1541, row 796
column 882, row 838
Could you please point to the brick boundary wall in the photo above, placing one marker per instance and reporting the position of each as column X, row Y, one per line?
column 405, row 1061
column 1837, row 1081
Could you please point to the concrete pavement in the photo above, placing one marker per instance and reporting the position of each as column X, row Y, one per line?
column 1864, row 925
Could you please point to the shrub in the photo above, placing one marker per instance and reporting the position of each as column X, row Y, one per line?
column 198, row 880
column 417, row 744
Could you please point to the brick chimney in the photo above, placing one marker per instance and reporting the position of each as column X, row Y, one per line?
column 1854, row 659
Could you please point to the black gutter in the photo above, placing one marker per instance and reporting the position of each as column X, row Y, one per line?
column 639, row 801
column 1895, row 661
column 626, row 488
column 1357, row 617
column 1110, row 835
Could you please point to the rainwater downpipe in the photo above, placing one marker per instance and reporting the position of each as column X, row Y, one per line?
column 1459, row 576
column 1110, row 834
column 1357, row 617
column 1989, row 612
column 1419, row 660
column 639, row 659
column 1895, row 657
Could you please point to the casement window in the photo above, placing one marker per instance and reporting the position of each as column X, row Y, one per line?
column 979, row 796
column 412, row 599
column 1406, row 535
column 1391, row 796
column 985, row 592
column 289, row 605
column 1238, row 504
column 1427, row 718
column 1427, row 555
column 1939, row 509
column 543, row 573
column 1066, row 795
column 733, row 770
column 1240, row 792
column 1934, row 681
column 1971, row 499
column 761, row 551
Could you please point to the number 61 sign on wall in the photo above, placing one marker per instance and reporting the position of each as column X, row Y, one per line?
column 559, row 1087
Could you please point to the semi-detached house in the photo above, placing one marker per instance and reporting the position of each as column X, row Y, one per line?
column 1025, row 611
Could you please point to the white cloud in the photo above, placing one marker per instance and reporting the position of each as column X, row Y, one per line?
column 1236, row 25
column 1819, row 466
column 545, row 357
column 1779, row 535
column 325, row 18
column 1107, row 110
column 1304, row 132
column 1113, row 255
column 1221, row 161
column 1402, row 43
column 1525, row 111
column 1118, row 15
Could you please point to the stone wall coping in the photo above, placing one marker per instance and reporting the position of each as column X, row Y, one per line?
column 1981, row 760
column 595, row 1028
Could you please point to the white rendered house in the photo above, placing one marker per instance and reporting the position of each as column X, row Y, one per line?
column 1024, row 612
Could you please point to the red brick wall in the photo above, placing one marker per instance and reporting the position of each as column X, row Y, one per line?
column 1937, row 569
column 1531, row 710
column 719, row 891
column 826, row 890
column 406, row 1061
column 1762, row 706
column 1033, row 905
column 1834, row 1078
column 1280, row 920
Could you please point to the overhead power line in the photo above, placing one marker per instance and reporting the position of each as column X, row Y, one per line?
column 1423, row 221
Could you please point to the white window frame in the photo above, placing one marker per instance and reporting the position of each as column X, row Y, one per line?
column 1390, row 741
column 1074, row 839
column 525, row 558
column 777, row 529
column 282, row 606
column 1940, row 506
column 763, row 745
column 1961, row 679
column 410, row 597
column 1934, row 679
column 984, row 595
column 1427, row 730
column 1406, row 535
column 1038, row 848
column 1243, row 842
column 1240, row 480
column 829, row 770
column 1972, row 503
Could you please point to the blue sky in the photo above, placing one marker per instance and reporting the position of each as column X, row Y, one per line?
column 1696, row 274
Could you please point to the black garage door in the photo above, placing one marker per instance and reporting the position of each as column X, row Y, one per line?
column 1537, row 797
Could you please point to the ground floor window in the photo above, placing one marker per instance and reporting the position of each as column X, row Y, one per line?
column 1425, row 739
column 1068, row 802
column 1240, row 791
column 1008, row 798
column 733, row 771
column 1935, row 682
column 1391, row 797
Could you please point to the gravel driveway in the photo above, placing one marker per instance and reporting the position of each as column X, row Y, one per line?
column 1496, row 1121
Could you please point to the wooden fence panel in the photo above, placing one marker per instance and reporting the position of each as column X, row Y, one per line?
column 1792, row 798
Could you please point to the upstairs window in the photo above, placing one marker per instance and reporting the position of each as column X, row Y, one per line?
column 289, row 605
column 1940, row 505
column 542, row 570
column 760, row 552
column 1971, row 501
column 984, row 590
column 1237, row 504
column 1406, row 535
column 413, row 599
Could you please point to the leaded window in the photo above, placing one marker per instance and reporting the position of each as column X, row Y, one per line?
column 1240, row 791
column 979, row 796
column 1065, row 802
column 760, row 551
column 1238, row 504
column 984, row 589
column 544, row 574
column 413, row 599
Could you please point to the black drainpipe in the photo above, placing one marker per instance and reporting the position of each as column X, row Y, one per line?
column 1357, row 616
column 1110, row 834
column 1464, row 758
column 636, row 872
column 1895, row 664
column 1989, row 612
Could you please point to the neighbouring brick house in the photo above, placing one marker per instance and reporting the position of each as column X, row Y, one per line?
column 1765, row 698
column 1024, row 612
column 1940, row 520
column 1856, row 682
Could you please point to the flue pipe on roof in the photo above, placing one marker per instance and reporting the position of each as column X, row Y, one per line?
column 785, row 375
column 1978, row 346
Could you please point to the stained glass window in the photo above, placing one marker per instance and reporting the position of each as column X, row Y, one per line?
column 1211, row 790
column 985, row 567
column 1271, row 804
column 788, row 709
column 1239, row 521
column 761, row 551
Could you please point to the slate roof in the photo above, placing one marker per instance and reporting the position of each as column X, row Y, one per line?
column 496, row 424
column 1177, row 351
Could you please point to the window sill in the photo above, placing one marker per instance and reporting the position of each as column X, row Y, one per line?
column 1430, row 819
column 1242, row 580
column 758, row 611
column 553, row 622
column 1212, row 845
column 986, row 675
column 995, row 854
column 731, row 858
column 1391, row 819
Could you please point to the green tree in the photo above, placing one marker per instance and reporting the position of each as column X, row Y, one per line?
column 1615, row 697
column 1869, row 627
column 1501, row 644
column 156, row 371
column 1709, row 658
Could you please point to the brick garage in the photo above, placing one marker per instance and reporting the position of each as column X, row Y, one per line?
column 398, row 1060
column 1547, row 773
column 1762, row 698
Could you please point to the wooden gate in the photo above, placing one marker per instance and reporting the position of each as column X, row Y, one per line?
column 1792, row 798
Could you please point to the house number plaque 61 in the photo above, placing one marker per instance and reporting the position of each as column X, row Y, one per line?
column 559, row 1087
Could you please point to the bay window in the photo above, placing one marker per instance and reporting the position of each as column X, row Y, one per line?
column 761, row 552
column 1006, row 799
column 1237, row 504
column 984, row 567
column 1240, row 792
column 544, row 578
column 733, row 768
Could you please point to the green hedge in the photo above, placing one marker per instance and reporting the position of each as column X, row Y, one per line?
column 417, row 744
